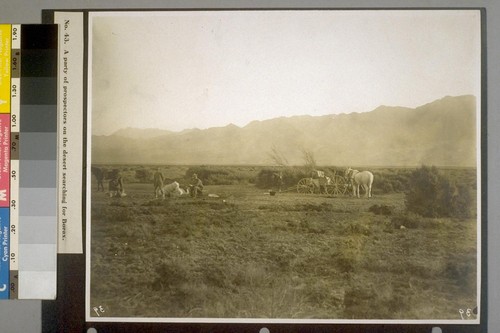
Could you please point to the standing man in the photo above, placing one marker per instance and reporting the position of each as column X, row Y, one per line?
column 158, row 183
column 278, row 179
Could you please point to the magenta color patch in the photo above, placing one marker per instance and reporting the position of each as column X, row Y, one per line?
column 5, row 160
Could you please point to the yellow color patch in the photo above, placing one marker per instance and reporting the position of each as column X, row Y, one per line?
column 5, row 49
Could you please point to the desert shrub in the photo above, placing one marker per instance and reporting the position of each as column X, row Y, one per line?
column 205, row 172
column 381, row 210
column 215, row 175
column 398, row 185
column 144, row 175
column 432, row 194
column 266, row 179
column 387, row 187
column 290, row 177
column 467, row 177
column 390, row 180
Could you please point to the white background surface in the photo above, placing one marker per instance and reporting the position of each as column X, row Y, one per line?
column 25, row 316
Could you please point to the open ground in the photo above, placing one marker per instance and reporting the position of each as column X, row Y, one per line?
column 247, row 254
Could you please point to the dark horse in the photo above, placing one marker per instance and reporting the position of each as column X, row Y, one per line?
column 99, row 175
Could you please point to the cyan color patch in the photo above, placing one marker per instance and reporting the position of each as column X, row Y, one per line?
column 4, row 253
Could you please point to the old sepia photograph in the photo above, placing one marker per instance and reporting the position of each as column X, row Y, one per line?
column 282, row 166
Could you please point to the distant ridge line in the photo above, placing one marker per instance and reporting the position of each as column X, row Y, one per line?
column 440, row 133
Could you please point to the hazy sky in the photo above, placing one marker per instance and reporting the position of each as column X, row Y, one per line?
column 179, row 70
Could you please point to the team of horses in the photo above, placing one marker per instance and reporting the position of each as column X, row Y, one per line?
column 356, row 179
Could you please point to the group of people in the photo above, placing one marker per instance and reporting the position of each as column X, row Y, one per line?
column 116, row 187
column 195, row 185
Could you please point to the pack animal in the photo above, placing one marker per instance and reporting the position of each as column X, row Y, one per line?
column 99, row 175
column 363, row 179
column 173, row 190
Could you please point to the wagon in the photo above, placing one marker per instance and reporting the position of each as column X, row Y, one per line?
column 334, row 185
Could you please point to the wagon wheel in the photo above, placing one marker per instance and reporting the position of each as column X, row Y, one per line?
column 305, row 186
column 338, row 186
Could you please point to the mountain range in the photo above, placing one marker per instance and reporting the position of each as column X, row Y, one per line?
column 441, row 133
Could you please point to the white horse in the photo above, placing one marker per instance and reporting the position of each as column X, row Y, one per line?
column 363, row 178
column 173, row 190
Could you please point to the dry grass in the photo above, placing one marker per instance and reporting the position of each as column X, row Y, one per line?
column 249, row 255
